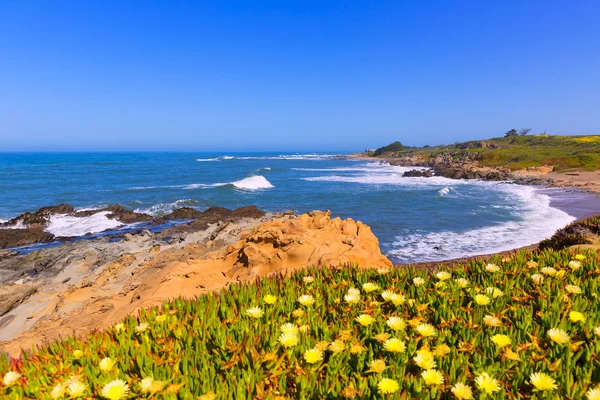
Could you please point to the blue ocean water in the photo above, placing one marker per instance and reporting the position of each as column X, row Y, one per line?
column 415, row 219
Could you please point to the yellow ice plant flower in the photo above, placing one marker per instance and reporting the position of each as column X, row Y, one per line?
column 593, row 394
column 394, row 345
column 377, row 366
column 304, row 328
column 11, row 378
column 558, row 336
column 58, row 391
column 462, row 282
column 357, row 348
column 441, row 350
column 492, row 268
column 382, row 337
column 313, row 356
column 387, row 386
column 397, row 299
column 550, row 271
column 432, row 377
column 396, row 323
column 289, row 328
column 298, row 313
column 424, row 359
column 270, row 299
column 337, row 346
column 306, row 300
column 574, row 265
column 597, row 331
column 501, row 340
column 353, row 296
column 119, row 327
column 542, row 382
column 426, row 330
column 440, row 285
column 573, row 289
column 208, row 396
column 386, row 295
column 76, row 389
column 255, row 312
column 383, row 271
column 106, row 364
column 161, row 318
column 490, row 320
column 365, row 319
column 308, row 279
column 443, row 275
column 576, row 316
column 462, row 391
column 370, row 287
column 487, row 384
column 482, row 299
column 288, row 339
column 537, row 278
column 418, row 281
column 141, row 327
column 115, row 390
column 77, row 354
column 580, row 257
column 149, row 386
column 494, row 292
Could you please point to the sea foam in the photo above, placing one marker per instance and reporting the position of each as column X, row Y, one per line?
column 68, row 225
column 255, row 182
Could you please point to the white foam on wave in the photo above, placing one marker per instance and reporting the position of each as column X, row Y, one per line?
column 207, row 159
column 276, row 157
column 444, row 191
column 384, row 177
column 537, row 221
column 160, row 209
column 68, row 225
column 255, row 182
column 18, row 225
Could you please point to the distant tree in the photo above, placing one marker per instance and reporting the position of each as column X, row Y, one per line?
column 396, row 146
column 512, row 132
column 524, row 131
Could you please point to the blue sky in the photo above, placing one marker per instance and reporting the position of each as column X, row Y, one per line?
column 306, row 75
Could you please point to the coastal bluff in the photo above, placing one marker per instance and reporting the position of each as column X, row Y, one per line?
column 92, row 285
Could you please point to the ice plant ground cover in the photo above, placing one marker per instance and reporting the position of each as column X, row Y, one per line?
column 348, row 333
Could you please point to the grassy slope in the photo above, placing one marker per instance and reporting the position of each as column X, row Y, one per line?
column 211, row 346
column 563, row 152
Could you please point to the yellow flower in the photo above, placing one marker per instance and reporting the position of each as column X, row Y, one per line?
column 511, row 355
column 255, row 312
column 76, row 389
column 306, row 300
column 289, row 328
column 541, row 381
column 149, row 386
column 443, row 275
column 387, row 295
column 365, row 319
column 561, row 273
column 548, row 271
column 462, row 391
column 313, row 356
column 304, row 328
column 11, row 378
column 441, row 350
column 77, row 354
column 288, row 339
column 418, row 281
column 531, row 264
column 308, row 279
column 492, row 268
column 106, row 364
column 141, row 327
column 482, row 300
column 370, row 287
column 353, row 296
column 501, row 340
column 576, row 316
column 298, row 313
column 424, row 359
column 208, row 396
column 426, row 330
column 574, row 265
column 593, row 394
column 397, row 299
column 597, row 331
column 487, row 384
column 115, row 390
column 490, row 320
column 558, row 336
column 580, row 257
column 494, row 292
column 432, row 377
column 377, row 366
column 396, row 323
column 537, row 278
column 387, row 386
column 462, row 282
column 337, row 346
column 383, row 271
column 440, row 285
column 382, row 337
column 394, row 345
column 119, row 327
column 269, row 299
column 58, row 391
column 573, row 289
column 161, row 318
column 357, row 349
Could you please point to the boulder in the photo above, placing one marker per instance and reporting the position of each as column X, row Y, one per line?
column 21, row 237
column 418, row 173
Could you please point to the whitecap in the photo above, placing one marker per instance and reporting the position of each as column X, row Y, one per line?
column 160, row 209
column 207, row 159
column 255, row 182
column 69, row 225
column 444, row 191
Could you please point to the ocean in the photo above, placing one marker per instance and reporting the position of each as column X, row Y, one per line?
column 415, row 219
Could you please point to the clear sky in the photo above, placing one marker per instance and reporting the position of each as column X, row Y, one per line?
column 292, row 75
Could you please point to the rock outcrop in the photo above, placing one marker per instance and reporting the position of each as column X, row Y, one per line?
column 415, row 173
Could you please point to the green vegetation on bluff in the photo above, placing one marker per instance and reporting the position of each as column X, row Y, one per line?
column 522, row 327
column 517, row 152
